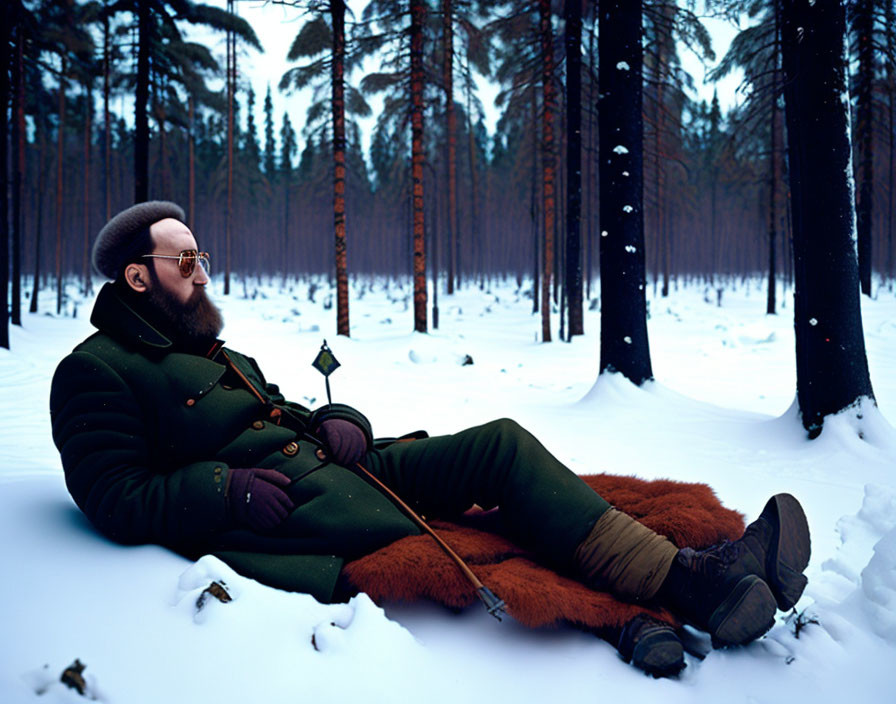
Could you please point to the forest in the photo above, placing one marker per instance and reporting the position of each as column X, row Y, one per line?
column 114, row 102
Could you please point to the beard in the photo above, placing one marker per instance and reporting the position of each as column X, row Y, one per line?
column 192, row 321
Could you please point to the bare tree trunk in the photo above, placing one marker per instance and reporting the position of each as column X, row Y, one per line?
column 60, row 154
column 231, row 89
column 141, row 103
column 18, row 115
column 831, row 365
column 41, row 189
column 533, row 204
column 624, row 345
column 772, row 208
column 191, row 166
column 474, row 187
column 434, row 235
column 85, row 261
column 591, row 198
column 547, row 146
column 107, row 128
column 573, row 285
column 8, row 22
column 337, row 9
column 891, row 100
column 418, row 16
column 451, row 127
column 864, row 25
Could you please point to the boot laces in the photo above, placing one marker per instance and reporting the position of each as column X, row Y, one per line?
column 714, row 562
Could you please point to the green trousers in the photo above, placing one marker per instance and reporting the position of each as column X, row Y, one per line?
column 544, row 506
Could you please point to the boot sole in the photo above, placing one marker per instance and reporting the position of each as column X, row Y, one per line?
column 789, row 550
column 659, row 654
column 745, row 614
column 652, row 646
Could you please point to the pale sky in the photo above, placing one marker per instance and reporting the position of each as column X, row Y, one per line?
column 277, row 26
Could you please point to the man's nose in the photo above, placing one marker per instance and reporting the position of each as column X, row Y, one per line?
column 200, row 277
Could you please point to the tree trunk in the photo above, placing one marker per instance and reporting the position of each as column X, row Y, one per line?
column 40, row 127
column 451, row 127
column 8, row 23
column 475, row 242
column 771, row 305
column 107, row 128
column 141, row 103
column 623, row 339
column 60, row 154
column 533, row 203
column 547, row 149
column 590, row 198
column 18, row 141
column 831, row 365
column 573, row 285
column 191, row 164
column 337, row 9
column 891, row 105
column 85, row 261
column 231, row 90
column 418, row 17
column 864, row 26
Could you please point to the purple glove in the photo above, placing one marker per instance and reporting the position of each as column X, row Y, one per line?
column 344, row 440
column 257, row 498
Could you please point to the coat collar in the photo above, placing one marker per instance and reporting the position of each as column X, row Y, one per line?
column 117, row 318
column 121, row 320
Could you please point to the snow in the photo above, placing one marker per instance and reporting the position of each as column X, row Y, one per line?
column 619, row 149
column 623, row 66
column 721, row 411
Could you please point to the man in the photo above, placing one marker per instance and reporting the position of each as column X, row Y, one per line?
column 169, row 437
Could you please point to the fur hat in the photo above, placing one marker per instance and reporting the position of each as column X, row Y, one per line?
column 122, row 235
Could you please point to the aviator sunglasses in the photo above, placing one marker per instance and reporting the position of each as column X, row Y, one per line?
column 186, row 261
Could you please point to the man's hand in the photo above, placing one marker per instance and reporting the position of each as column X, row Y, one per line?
column 257, row 499
column 345, row 441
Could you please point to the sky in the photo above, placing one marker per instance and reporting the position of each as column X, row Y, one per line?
column 277, row 25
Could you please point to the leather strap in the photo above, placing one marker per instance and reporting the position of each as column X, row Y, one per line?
column 493, row 604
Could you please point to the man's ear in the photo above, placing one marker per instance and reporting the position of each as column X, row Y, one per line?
column 137, row 277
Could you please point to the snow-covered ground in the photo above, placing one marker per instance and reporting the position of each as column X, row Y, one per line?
column 720, row 412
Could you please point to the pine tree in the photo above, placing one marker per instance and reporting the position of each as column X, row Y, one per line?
column 624, row 345
column 573, row 41
column 270, row 149
column 831, row 365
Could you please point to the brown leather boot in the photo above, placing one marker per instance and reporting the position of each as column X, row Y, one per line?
column 731, row 589
column 651, row 645
column 733, row 609
column 776, row 548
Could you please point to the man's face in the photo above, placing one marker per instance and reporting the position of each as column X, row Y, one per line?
column 180, row 300
column 171, row 237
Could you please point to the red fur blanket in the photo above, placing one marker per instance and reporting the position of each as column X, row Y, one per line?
column 415, row 568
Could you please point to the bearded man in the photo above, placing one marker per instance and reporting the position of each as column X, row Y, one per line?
column 168, row 437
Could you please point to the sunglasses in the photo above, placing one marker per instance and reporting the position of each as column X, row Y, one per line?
column 186, row 261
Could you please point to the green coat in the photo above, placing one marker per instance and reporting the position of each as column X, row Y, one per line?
column 147, row 435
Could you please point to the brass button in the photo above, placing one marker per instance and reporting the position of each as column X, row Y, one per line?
column 258, row 424
column 321, row 455
column 191, row 401
column 291, row 449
